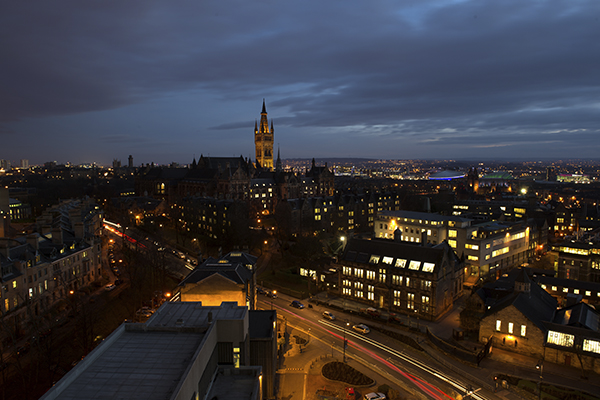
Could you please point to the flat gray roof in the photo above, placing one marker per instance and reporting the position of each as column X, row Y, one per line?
column 193, row 314
column 137, row 365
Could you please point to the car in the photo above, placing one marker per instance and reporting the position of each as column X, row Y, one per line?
column 361, row 328
column 374, row 396
column 260, row 290
column 109, row 287
column 144, row 313
column 328, row 315
column 118, row 282
column 297, row 304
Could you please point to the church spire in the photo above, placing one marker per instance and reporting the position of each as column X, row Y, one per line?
column 278, row 165
column 264, row 110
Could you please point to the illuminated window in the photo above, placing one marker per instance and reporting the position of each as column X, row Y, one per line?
column 382, row 275
column 565, row 290
column 591, row 346
column 410, row 301
column 425, row 303
column 370, row 294
column 575, row 291
column 371, row 275
column 472, row 246
column 428, row 267
column 554, row 288
column 414, row 265
column 374, row 259
column 472, row 258
column 588, row 293
column 501, row 251
column 510, row 327
column 452, row 243
column 397, row 280
column 397, row 295
column 523, row 330
column 452, row 233
column 400, row 263
column 561, row 339
column 498, row 325
column 388, row 260
column 358, row 272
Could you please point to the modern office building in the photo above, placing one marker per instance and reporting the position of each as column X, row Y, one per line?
column 490, row 248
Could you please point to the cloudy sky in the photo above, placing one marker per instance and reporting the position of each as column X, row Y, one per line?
column 165, row 81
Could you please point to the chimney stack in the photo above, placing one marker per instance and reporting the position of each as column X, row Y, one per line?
column 57, row 235
column 32, row 239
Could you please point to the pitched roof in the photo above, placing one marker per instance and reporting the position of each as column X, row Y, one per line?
column 233, row 266
column 374, row 251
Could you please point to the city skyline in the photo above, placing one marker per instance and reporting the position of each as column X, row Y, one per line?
column 429, row 80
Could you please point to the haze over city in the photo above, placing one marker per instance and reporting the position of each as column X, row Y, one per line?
column 91, row 82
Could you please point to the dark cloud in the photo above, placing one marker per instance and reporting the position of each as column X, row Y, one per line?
column 441, row 72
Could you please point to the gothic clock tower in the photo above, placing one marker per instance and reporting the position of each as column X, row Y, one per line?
column 263, row 140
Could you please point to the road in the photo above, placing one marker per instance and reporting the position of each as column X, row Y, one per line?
column 383, row 354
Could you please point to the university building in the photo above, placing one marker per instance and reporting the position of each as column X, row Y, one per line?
column 490, row 248
column 408, row 278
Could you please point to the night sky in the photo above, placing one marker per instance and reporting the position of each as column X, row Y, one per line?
column 85, row 81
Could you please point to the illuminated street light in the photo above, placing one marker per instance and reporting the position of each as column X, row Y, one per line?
column 273, row 295
column 345, row 343
column 540, row 367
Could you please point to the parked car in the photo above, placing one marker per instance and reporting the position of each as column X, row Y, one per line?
column 362, row 328
column 328, row 315
column 109, row 287
column 297, row 304
column 144, row 313
column 374, row 396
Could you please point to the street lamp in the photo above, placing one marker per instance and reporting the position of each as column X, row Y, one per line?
column 540, row 367
column 273, row 295
column 344, row 344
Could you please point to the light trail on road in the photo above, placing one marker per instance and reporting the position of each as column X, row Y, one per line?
column 423, row 385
